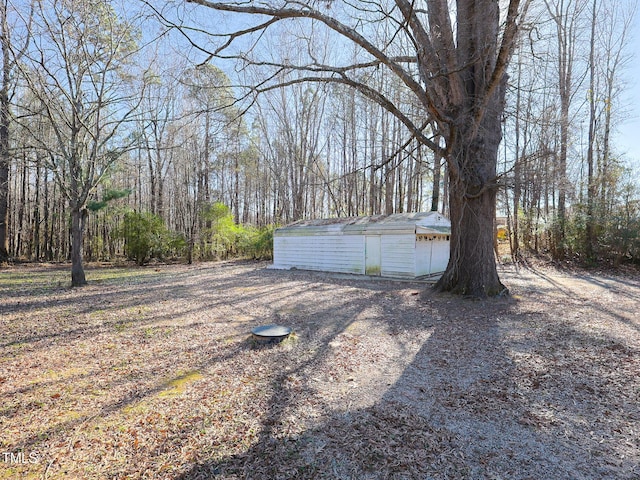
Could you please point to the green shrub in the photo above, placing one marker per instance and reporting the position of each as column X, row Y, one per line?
column 223, row 238
column 621, row 239
column 257, row 243
column 146, row 237
column 221, row 235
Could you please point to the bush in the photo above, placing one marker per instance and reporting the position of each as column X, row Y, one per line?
column 146, row 237
column 223, row 238
column 621, row 239
column 221, row 235
column 257, row 243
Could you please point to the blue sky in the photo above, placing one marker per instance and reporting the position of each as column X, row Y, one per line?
column 627, row 132
column 628, row 138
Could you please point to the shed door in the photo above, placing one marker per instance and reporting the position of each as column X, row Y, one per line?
column 372, row 257
column 439, row 255
column 423, row 255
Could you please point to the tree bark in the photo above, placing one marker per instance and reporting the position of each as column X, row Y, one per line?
column 437, row 169
column 590, row 234
column 4, row 181
column 78, row 220
column 472, row 203
column 4, row 142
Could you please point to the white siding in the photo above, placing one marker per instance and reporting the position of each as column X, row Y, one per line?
column 330, row 253
column 432, row 254
column 372, row 255
column 383, row 245
column 423, row 255
column 398, row 258
column 439, row 255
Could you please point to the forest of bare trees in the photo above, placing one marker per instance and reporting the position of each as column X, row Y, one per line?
column 111, row 117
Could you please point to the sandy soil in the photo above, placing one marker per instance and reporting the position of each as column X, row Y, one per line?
column 151, row 373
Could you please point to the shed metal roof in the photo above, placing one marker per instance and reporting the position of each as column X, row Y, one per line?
column 421, row 222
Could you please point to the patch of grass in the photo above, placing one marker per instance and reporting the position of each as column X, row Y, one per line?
column 135, row 408
column 291, row 339
column 14, row 472
column 35, row 282
column 172, row 388
column 178, row 385
column 10, row 278
column 117, row 275
column 70, row 416
column 57, row 375
column 122, row 365
column 54, row 278
column 139, row 311
column 16, row 347
column 122, row 326
column 158, row 331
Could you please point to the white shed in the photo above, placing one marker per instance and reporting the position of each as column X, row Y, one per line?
column 406, row 245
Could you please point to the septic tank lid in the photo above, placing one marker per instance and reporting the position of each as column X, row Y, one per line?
column 271, row 332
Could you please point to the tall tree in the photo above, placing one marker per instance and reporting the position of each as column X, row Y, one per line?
column 9, row 54
column 613, row 44
column 457, row 73
column 567, row 18
column 590, row 234
column 4, row 132
column 78, row 70
column 157, row 125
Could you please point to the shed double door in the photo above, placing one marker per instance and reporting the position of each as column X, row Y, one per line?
column 372, row 255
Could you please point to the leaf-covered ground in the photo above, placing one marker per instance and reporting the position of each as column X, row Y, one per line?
column 151, row 373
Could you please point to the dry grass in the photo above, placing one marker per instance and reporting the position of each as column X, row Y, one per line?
column 150, row 373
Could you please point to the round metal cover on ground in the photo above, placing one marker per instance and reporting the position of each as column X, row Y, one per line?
column 271, row 332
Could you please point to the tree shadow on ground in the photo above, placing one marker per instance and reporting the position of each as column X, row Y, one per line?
column 462, row 408
column 488, row 389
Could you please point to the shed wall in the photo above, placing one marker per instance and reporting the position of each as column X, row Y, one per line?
column 439, row 255
column 398, row 255
column 372, row 254
column 432, row 254
column 331, row 253
column 390, row 246
column 423, row 255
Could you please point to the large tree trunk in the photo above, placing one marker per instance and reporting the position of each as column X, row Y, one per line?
column 473, row 139
column 472, row 267
column 78, row 217
column 472, row 202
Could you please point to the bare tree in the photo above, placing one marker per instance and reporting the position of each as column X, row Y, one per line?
column 612, row 43
column 10, row 53
column 157, row 126
column 455, row 71
column 590, row 234
column 76, row 71
column 566, row 88
column 567, row 18
column 4, row 132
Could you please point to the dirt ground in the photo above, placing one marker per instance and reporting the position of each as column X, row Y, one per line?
column 151, row 373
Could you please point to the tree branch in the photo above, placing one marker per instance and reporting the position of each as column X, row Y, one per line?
column 504, row 55
column 305, row 11
column 370, row 93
